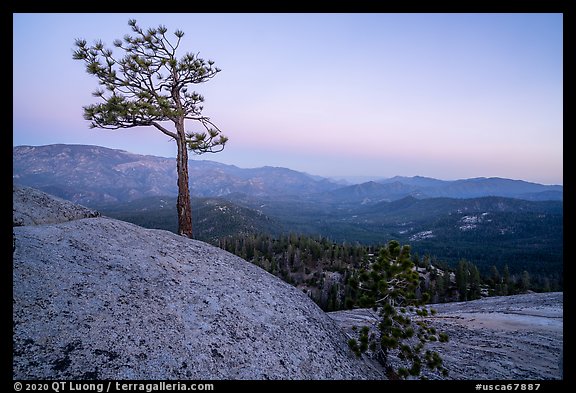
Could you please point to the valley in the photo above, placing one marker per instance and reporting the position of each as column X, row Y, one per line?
column 488, row 231
column 488, row 221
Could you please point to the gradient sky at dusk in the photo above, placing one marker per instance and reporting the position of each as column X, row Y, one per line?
column 448, row 96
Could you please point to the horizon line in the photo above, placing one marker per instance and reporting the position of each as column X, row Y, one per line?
column 333, row 177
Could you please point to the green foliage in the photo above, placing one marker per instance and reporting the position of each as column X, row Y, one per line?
column 526, row 235
column 525, row 281
column 389, row 285
column 225, row 224
column 462, row 280
column 353, row 345
column 215, row 218
column 149, row 84
column 326, row 270
column 318, row 255
column 468, row 281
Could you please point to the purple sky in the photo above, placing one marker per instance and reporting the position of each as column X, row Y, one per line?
column 448, row 96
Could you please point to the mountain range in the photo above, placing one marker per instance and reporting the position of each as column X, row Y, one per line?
column 489, row 221
column 95, row 175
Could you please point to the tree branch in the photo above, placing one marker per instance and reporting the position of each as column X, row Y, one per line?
column 164, row 130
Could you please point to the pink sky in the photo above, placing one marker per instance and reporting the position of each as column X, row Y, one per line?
column 442, row 95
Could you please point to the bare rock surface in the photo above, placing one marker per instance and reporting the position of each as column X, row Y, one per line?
column 97, row 298
column 516, row 337
column 34, row 207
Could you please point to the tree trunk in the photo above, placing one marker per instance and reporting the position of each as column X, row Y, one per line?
column 183, row 204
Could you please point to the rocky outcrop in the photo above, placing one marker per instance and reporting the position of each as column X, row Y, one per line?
column 516, row 337
column 34, row 207
column 97, row 298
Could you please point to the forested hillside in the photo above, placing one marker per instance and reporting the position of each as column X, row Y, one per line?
column 329, row 272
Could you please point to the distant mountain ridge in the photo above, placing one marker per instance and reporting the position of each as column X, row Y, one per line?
column 92, row 175
column 95, row 175
column 493, row 186
column 523, row 233
column 422, row 187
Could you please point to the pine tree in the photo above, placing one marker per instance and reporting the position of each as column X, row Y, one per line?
column 148, row 86
column 389, row 285
column 475, row 290
column 462, row 280
column 506, row 283
column 525, row 281
column 495, row 278
column 447, row 284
